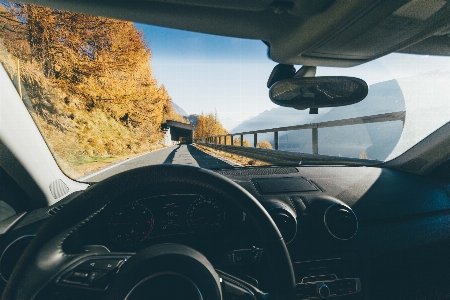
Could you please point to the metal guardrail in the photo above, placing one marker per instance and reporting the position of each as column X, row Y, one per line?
column 285, row 157
column 279, row 157
column 393, row 116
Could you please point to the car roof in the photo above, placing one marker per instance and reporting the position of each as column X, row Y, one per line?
column 301, row 32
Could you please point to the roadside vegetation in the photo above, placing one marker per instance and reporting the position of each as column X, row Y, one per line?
column 208, row 125
column 87, row 82
column 244, row 161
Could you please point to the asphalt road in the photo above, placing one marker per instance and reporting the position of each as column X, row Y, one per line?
column 180, row 155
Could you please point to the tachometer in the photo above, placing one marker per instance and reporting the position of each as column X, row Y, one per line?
column 206, row 216
column 131, row 224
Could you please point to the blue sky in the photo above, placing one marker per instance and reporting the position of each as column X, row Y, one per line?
column 208, row 73
column 204, row 73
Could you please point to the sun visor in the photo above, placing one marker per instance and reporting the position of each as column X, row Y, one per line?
column 387, row 27
column 389, row 34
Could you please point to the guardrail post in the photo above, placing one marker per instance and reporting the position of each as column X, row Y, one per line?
column 315, row 140
column 242, row 140
column 232, row 142
column 224, row 139
column 275, row 139
column 255, row 139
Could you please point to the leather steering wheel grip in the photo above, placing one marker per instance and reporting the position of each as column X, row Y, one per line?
column 44, row 258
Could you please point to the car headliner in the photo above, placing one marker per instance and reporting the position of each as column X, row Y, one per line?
column 315, row 33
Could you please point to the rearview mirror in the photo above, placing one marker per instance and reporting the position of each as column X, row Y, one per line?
column 315, row 92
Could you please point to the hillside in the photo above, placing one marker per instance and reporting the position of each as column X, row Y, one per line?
column 87, row 82
column 179, row 110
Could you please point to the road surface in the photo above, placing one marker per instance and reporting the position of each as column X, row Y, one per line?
column 179, row 155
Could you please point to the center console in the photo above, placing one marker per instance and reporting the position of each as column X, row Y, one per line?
column 327, row 278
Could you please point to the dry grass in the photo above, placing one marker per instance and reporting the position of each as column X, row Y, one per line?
column 85, row 138
column 88, row 141
column 244, row 161
column 92, row 164
column 81, row 141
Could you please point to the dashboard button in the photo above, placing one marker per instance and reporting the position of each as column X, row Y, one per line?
column 78, row 276
column 109, row 264
column 102, row 264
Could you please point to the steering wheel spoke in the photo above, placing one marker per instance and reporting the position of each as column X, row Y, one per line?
column 93, row 272
column 234, row 288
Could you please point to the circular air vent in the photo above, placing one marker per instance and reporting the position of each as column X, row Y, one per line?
column 341, row 222
column 11, row 255
column 286, row 223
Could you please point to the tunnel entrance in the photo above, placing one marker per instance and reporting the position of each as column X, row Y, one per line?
column 177, row 132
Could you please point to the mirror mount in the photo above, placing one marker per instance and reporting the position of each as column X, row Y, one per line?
column 280, row 72
column 306, row 71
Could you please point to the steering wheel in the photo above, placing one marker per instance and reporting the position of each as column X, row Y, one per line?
column 45, row 261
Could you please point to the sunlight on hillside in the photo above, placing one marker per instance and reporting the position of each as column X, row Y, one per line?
column 87, row 82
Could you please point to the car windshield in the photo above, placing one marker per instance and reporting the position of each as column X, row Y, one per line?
column 110, row 95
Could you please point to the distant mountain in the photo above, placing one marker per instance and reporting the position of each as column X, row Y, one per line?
column 179, row 110
column 278, row 117
column 377, row 140
column 193, row 119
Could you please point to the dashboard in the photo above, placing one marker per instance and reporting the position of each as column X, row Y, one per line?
column 139, row 220
column 135, row 224
column 361, row 231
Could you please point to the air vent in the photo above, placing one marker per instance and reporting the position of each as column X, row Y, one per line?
column 341, row 222
column 286, row 223
column 58, row 188
column 54, row 210
column 11, row 255
column 258, row 171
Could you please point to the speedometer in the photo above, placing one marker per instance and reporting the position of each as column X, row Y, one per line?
column 206, row 216
column 131, row 224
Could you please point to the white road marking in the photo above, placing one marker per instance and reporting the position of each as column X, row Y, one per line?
column 115, row 165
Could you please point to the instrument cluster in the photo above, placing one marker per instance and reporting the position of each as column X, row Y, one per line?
column 134, row 222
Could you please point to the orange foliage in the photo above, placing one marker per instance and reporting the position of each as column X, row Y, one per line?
column 209, row 125
column 264, row 145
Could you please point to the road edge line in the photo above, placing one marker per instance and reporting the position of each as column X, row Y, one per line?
column 115, row 165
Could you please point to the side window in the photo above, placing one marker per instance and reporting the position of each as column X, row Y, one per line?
column 12, row 198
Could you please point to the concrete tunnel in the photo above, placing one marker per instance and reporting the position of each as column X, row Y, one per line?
column 177, row 132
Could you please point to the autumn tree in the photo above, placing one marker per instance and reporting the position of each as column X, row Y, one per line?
column 237, row 142
column 208, row 125
column 80, row 71
column 105, row 62
column 364, row 155
column 13, row 32
column 264, row 145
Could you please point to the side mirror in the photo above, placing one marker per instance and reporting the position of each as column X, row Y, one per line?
column 316, row 92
